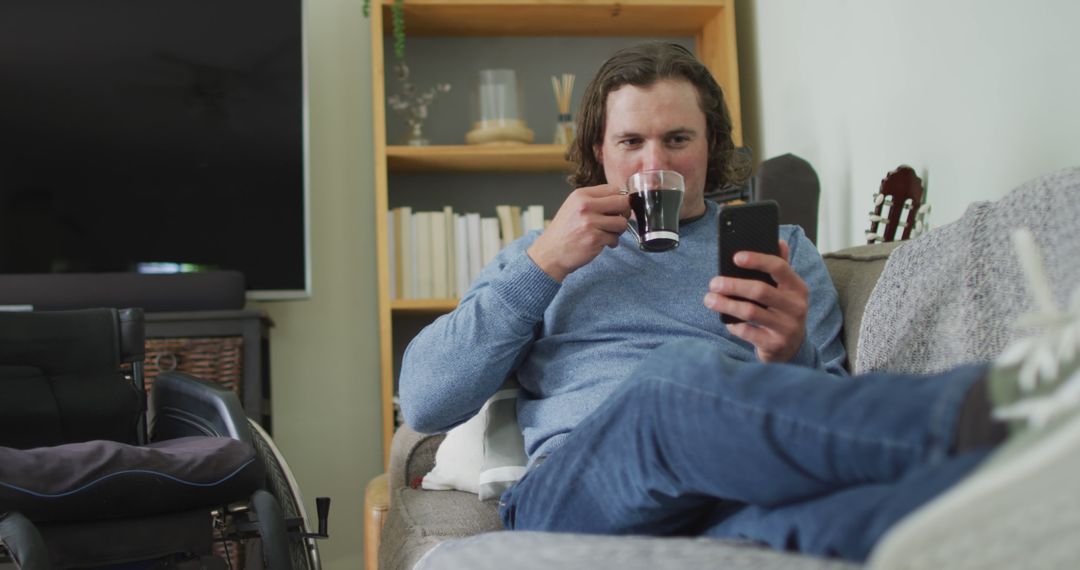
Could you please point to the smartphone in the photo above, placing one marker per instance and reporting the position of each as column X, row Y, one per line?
column 747, row 227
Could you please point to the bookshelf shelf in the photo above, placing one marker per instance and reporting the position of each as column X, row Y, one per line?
column 463, row 158
column 710, row 24
column 423, row 306
column 557, row 17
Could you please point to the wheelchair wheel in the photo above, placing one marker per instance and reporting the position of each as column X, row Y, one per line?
column 303, row 552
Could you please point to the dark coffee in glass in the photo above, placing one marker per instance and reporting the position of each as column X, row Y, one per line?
column 655, row 199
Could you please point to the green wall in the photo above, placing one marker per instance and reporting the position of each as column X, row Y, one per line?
column 324, row 355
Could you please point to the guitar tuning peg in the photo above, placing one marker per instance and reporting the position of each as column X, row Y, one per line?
column 878, row 199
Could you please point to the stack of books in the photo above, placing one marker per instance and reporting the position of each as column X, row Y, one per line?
column 437, row 255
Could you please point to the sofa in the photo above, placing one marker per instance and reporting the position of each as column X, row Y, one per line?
column 404, row 522
column 949, row 297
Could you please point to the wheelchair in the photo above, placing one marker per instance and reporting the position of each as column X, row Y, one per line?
column 92, row 477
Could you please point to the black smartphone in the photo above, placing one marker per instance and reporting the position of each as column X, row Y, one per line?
column 747, row 227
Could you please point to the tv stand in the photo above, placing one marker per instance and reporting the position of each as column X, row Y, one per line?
column 228, row 347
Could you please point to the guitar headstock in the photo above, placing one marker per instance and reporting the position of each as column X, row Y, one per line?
column 898, row 204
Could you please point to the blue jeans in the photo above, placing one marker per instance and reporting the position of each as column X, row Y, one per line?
column 695, row 443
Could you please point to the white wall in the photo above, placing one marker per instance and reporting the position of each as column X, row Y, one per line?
column 979, row 95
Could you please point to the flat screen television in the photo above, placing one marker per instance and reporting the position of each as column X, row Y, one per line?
column 137, row 135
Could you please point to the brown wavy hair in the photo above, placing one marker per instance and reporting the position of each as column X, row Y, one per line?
column 643, row 65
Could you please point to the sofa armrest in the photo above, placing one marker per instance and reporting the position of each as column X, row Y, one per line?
column 376, row 507
column 412, row 455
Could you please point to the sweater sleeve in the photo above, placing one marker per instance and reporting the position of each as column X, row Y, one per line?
column 823, row 347
column 456, row 363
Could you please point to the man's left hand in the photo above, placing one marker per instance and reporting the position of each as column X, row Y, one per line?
column 778, row 327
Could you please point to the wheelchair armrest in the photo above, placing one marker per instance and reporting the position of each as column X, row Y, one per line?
column 182, row 405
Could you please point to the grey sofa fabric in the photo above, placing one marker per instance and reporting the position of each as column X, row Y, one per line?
column 419, row 520
column 957, row 294
column 548, row 551
column 854, row 272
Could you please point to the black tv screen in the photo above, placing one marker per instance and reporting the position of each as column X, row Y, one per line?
column 141, row 132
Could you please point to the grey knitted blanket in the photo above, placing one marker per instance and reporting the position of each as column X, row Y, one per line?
column 953, row 296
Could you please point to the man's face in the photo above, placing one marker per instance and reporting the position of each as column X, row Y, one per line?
column 660, row 126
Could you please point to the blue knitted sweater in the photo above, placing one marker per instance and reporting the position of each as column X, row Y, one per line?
column 570, row 345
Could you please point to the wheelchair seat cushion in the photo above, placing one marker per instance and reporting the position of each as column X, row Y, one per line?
column 96, row 480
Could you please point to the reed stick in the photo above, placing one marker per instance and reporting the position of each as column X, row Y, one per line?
column 564, row 90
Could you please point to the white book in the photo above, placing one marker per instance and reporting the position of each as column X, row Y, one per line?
column 422, row 237
column 461, row 256
column 438, row 255
column 450, row 243
column 407, row 253
column 515, row 217
column 533, row 218
column 490, row 242
column 476, row 256
column 391, row 241
column 506, row 223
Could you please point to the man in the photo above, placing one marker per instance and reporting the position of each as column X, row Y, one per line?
column 574, row 310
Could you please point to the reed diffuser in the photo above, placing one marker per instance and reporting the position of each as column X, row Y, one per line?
column 564, row 89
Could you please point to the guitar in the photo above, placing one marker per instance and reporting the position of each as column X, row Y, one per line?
column 899, row 204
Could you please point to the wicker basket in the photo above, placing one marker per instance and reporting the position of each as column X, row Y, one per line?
column 217, row 359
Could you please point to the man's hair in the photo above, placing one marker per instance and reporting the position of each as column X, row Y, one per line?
column 643, row 65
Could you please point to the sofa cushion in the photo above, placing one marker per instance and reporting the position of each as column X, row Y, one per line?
column 854, row 272
column 458, row 459
column 486, row 454
column 96, row 480
column 504, row 458
column 522, row 550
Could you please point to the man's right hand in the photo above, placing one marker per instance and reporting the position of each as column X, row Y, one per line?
column 589, row 219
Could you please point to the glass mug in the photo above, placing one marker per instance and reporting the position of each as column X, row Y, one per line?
column 655, row 198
